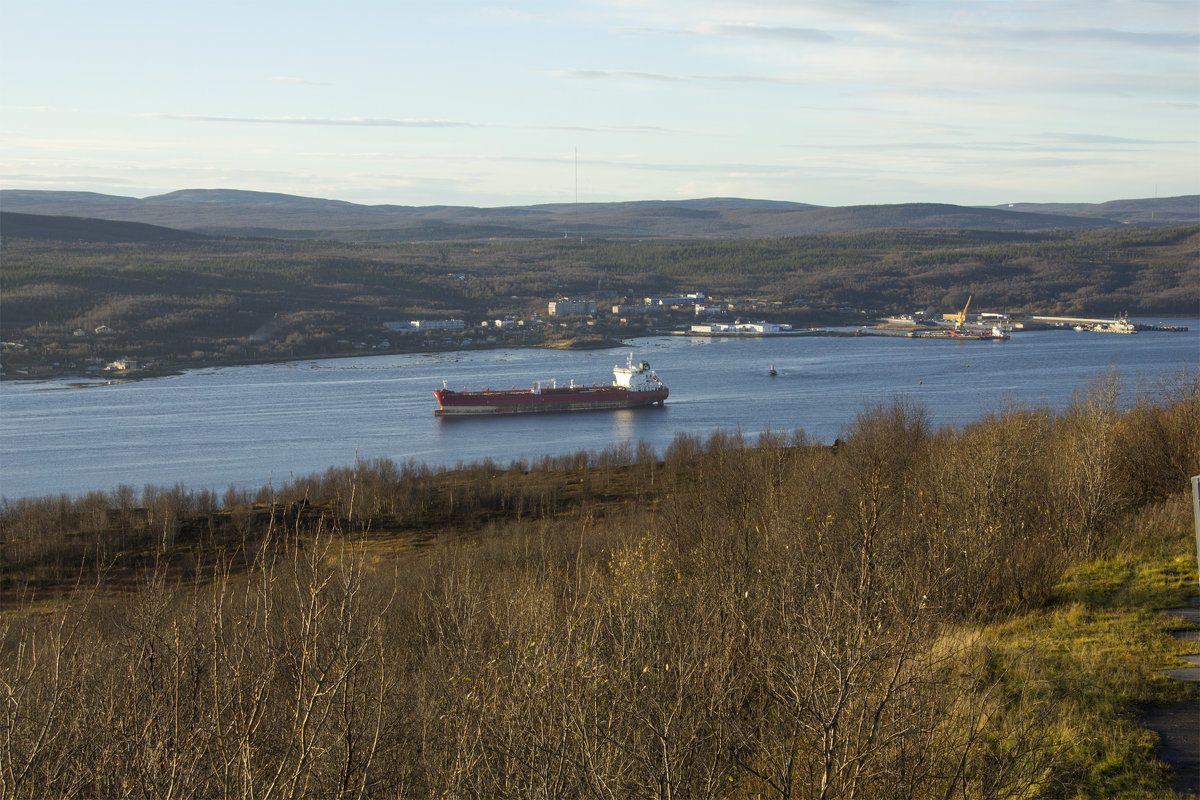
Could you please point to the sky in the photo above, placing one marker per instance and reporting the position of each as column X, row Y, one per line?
column 456, row 102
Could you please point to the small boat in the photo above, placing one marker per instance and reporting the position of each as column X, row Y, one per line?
column 772, row 371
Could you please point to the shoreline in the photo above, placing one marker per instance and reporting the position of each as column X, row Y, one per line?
column 177, row 367
column 598, row 342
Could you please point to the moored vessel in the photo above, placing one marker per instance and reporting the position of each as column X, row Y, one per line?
column 633, row 385
column 995, row 333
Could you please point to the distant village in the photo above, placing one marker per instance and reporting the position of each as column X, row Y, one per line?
column 696, row 314
column 596, row 321
column 693, row 312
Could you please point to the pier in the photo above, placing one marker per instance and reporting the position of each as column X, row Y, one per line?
column 1115, row 325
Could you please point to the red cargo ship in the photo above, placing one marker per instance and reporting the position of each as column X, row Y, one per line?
column 633, row 385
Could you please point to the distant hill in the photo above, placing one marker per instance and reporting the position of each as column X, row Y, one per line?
column 80, row 229
column 242, row 213
column 1183, row 210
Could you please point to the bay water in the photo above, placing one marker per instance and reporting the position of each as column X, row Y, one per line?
column 253, row 426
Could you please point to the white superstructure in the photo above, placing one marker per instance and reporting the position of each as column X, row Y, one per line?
column 639, row 378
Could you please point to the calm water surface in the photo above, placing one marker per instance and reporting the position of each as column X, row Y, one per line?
column 253, row 426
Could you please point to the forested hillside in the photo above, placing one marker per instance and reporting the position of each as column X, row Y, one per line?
column 245, row 213
column 221, row 300
column 1100, row 272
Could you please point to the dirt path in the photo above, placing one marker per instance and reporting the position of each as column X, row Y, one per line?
column 1178, row 726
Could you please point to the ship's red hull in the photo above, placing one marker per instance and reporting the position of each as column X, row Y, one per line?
column 587, row 398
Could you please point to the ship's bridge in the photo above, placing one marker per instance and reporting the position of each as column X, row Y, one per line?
column 636, row 377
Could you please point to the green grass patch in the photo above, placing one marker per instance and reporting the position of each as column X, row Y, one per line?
column 1164, row 582
column 1093, row 655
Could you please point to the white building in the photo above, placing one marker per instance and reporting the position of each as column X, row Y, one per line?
column 686, row 300
column 426, row 325
column 742, row 328
column 560, row 308
column 626, row 310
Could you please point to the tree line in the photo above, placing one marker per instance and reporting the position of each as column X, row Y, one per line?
column 212, row 298
column 728, row 618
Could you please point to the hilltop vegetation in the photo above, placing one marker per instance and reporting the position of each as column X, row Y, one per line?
column 194, row 301
column 241, row 213
column 911, row 613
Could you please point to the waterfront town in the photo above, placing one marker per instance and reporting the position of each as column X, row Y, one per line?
column 595, row 321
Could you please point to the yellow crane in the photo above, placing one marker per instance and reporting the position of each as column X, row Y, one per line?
column 961, row 318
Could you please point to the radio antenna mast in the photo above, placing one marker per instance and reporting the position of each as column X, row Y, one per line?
column 577, row 233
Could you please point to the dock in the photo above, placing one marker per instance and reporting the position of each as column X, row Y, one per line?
column 1115, row 325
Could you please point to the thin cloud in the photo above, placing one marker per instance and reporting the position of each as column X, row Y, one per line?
column 700, row 168
column 666, row 77
column 654, row 129
column 608, row 74
column 510, row 13
column 1156, row 40
column 39, row 179
column 1099, row 138
column 645, row 166
column 409, row 123
column 1043, row 143
column 297, row 81
column 770, row 32
column 344, row 122
column 1058, row 161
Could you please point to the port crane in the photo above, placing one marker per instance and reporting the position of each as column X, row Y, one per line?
column 961, row 317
